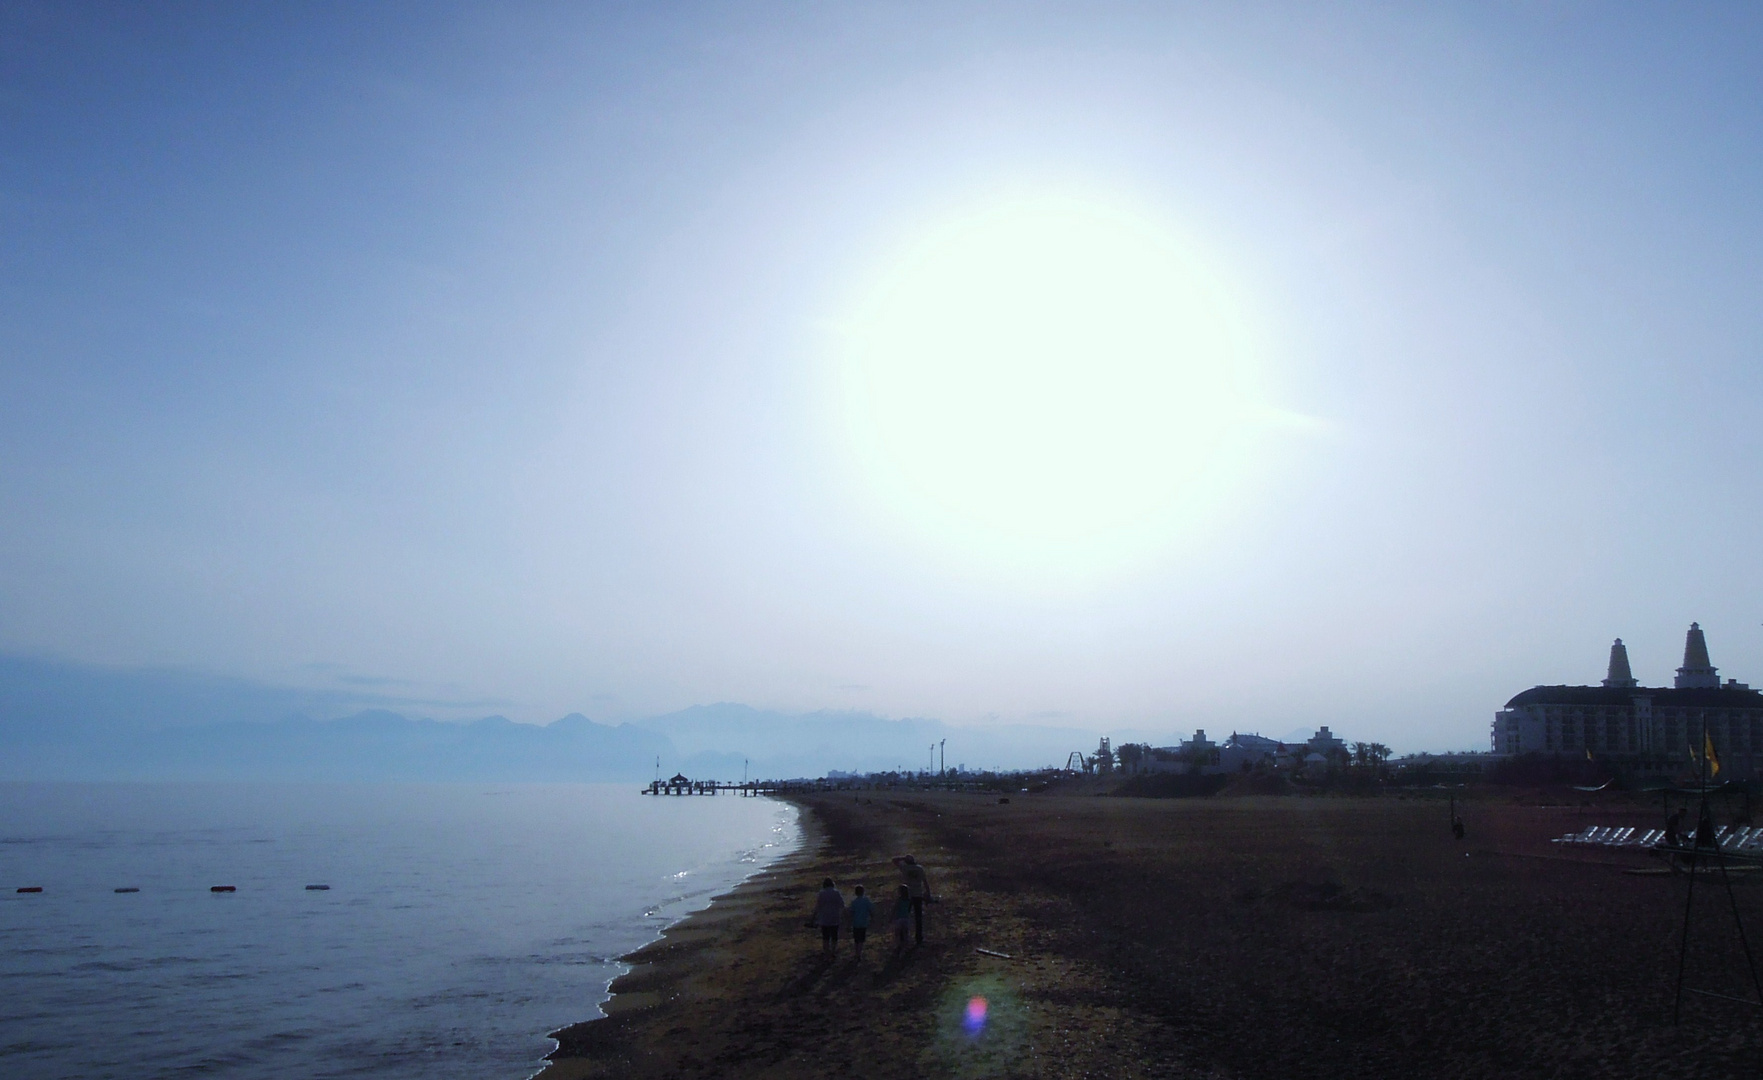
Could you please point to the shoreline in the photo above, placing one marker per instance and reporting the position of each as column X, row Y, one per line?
column 655, row 970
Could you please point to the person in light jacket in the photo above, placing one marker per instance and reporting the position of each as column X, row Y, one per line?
column 829, row 912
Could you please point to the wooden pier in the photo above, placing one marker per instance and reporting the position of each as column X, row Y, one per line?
column 679, row 785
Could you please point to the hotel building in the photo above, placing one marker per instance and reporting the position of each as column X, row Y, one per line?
column 1651, row 730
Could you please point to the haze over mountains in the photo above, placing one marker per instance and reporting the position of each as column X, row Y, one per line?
column 62, row 721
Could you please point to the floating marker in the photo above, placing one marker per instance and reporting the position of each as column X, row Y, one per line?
column 223, row 888
column 31, row 888
column 129, row 888
column 318, row 888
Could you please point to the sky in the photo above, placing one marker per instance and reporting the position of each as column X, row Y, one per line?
column 1134, row 368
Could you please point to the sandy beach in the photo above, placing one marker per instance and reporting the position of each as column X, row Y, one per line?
column 1220, row 937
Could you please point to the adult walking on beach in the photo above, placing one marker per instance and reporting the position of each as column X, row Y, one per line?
column 917, row 889
column 829, row 912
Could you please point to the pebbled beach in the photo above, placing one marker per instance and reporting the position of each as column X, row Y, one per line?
column 1207, row 937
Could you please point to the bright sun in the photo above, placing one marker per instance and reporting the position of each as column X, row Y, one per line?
column 1046, row 373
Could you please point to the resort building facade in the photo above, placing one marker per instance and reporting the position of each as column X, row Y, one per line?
column 1650, row 730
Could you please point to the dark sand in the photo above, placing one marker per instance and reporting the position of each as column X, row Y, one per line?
column 1217, row 937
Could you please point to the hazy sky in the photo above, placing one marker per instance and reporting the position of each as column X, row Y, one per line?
column 1360, row 366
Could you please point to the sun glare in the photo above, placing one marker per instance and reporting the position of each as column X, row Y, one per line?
column 1045, row 375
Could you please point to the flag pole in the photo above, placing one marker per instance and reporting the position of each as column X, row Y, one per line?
column 1683, row 950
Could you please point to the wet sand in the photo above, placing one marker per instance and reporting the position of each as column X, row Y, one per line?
column 1212, row 937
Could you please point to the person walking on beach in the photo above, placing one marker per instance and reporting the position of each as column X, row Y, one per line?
column 829, row 912
column 902, row 917
column 918, row 888
column 861, row 908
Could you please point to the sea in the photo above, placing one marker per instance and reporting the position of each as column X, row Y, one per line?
column 459, row 924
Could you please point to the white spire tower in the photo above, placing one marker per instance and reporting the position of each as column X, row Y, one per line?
column 1620, row 678
column 1696, row 672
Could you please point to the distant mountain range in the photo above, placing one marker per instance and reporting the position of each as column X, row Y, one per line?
column 62, row 721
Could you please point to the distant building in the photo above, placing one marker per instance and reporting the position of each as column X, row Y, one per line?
column 1250, row 743
column 1242, row 751
column 1198, row 752
column 1325, row 743
column 1198, row 748
column 1238, row 752
column 1644, row 729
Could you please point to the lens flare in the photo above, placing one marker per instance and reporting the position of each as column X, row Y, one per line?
column 975, row 1019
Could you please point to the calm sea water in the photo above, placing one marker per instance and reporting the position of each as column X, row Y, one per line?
column 462, row 922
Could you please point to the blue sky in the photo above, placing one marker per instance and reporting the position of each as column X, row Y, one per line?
column 485, row 351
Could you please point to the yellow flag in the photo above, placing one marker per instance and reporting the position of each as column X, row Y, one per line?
column 1708, row 751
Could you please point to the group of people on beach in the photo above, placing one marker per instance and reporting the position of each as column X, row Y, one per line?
column 906, row 917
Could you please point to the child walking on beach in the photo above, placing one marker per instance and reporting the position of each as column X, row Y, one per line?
column 917, row 888
column 829, row 912
column 861, row 907
column 902, row 917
